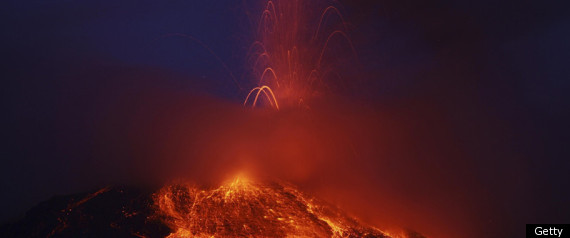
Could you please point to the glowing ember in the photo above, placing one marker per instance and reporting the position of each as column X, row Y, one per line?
column 289, row 57
column 247, row 208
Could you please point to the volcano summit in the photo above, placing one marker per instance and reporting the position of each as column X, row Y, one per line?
column 240, row 208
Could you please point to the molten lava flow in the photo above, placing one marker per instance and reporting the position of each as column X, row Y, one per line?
column 247, row 208
column 288, row 59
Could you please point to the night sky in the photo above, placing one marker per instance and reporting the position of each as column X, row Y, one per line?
column 479, row 88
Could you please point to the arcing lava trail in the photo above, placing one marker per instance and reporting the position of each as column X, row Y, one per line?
column 295, row 51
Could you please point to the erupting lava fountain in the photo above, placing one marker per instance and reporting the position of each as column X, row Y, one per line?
column 289, row 60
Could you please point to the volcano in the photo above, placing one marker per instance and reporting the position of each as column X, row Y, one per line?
column 240, row 208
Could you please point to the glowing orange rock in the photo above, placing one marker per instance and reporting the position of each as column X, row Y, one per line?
column 249, row 209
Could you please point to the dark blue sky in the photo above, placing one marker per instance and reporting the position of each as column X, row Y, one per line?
column 498, row 72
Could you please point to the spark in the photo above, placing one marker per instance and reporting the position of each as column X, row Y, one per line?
column 270, row 97
column 330, row 9
column 337, row 32
column 292, row 55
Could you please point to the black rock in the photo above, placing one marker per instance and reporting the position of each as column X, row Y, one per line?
column 108, row 212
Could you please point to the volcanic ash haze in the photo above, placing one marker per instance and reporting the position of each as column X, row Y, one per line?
column 381, row 166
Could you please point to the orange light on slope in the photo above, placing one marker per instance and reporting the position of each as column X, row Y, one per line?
column 244, row 207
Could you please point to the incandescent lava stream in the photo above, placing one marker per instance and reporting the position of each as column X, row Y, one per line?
column 239, row 208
